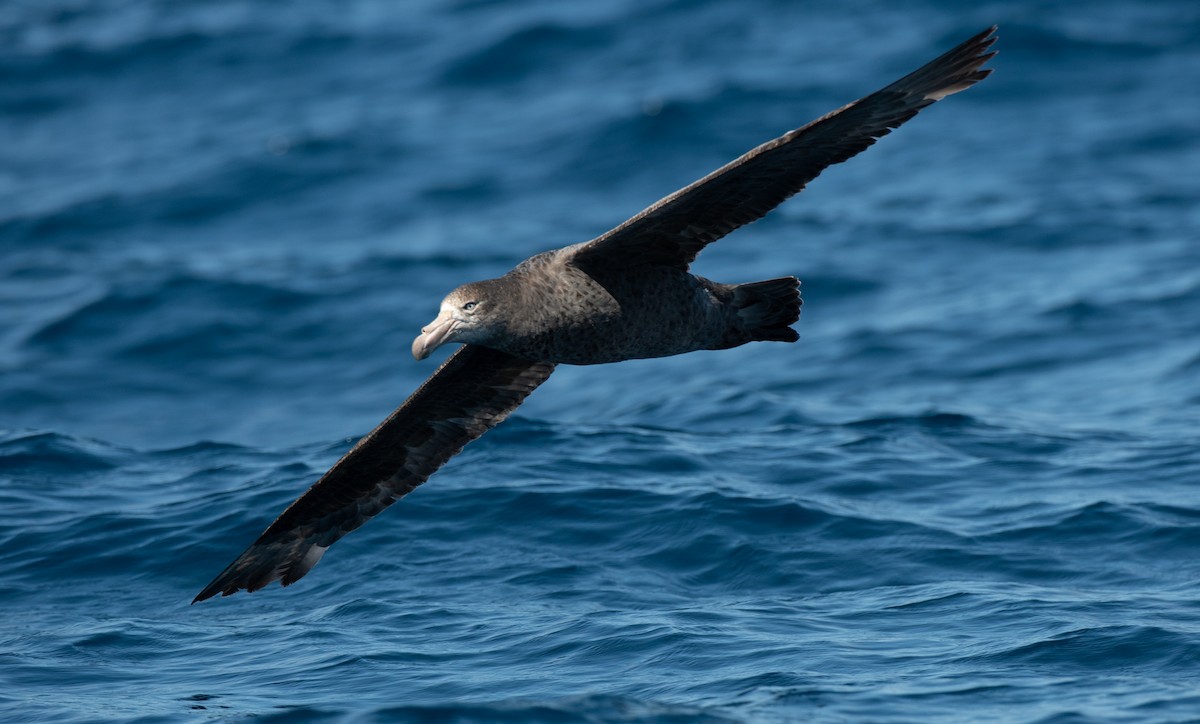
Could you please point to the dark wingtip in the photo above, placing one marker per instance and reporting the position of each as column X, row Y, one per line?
column 955, row 70
column 983, row 43
column 982, row 39
column 213, row 589
column 286, row 561
column 231, row 580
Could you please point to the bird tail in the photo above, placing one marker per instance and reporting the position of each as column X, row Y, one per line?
column 767, row 309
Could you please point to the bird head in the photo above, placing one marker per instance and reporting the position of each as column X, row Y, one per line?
column 469, row 315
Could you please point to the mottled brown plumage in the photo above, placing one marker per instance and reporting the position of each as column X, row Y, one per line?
column 627, row 294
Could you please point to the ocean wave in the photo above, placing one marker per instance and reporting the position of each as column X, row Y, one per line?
column 518, row 53
column 52, row 455
column 1107, row 648
column 157, row 37
column 673, row 128
column 575, row 709
column 1052, row 42
column 288, row 167
column 78, row 59
column 203, row 312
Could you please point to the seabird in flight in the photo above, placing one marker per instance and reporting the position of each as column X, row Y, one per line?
column 626, row 294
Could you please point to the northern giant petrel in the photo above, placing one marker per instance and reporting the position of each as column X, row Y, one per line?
column 625, row 295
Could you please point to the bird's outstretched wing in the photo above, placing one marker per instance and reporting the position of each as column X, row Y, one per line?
column 468, row 395
column 674, row 230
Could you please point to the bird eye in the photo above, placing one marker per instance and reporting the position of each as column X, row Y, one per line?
column 469, row 306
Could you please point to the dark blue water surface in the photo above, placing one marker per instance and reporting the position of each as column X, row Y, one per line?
column 969, row 492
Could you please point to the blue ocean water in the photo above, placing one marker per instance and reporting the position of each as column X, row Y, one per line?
column 968, row 493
